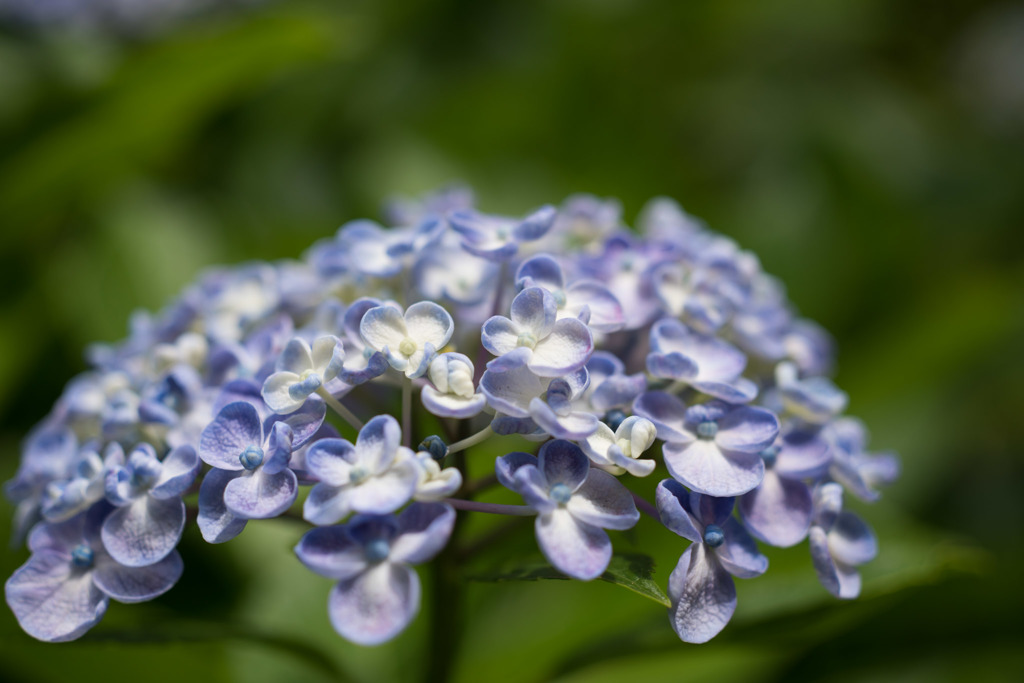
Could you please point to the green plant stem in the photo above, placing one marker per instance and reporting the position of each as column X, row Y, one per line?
column 340, row 409
column 407, row 413
column 471, row 441
column 490, row 508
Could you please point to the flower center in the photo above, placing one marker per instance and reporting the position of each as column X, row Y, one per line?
column 713, row 535
column 377, row 550
column 251, row 457
column 407, row 347
column 707, row 429
column 769, row 455
column 82, row 556
column 526, row 339
column 560, row 493
column 559, row 297
column 358, row 474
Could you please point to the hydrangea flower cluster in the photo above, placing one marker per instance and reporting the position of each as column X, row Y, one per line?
column 614, row 354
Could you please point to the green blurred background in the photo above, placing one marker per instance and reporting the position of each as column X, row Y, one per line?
column 871, row 153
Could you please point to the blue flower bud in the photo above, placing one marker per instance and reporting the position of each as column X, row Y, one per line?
column 434, row 445
column 251, row 457
column 377, row 550
column 713, row 535
column 614, row 418
column 769, row 455
column 560, row 493
column 82, row 556
column 707, row 429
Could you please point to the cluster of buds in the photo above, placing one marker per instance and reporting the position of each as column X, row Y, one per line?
column 612, row 353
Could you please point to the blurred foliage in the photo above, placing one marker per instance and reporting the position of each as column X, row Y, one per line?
column 871, row 153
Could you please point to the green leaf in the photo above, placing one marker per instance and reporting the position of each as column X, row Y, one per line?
column 632, row 571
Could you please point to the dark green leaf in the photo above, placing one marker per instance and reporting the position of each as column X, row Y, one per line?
column 632, row 571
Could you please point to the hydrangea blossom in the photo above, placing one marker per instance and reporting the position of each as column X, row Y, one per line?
column 574, row 503
column 601, row 354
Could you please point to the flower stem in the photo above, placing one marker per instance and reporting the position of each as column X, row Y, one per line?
column 492, row 508
column 407, row 413
column 644, row 506
column 471, row 441
column 340, row 409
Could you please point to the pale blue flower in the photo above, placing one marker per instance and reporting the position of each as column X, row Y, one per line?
column 840, row 542
column 497, row 238
column 150, row 515
column 539, row 401
column 714, row 448
column 63, row 589
column 574, row 503
column 301, row 371
column 587, row 300
column 376, row 475
column 535, row 336
column 377, row 594
column 701, row 587
column 706, row 363
column 408, row 341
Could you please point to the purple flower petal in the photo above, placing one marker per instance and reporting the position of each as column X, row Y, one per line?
column 671, row 366
column 505, row 467
column 330, row 461
column 739, row 554
column 378, row 442
column 235, row 428
column 851, row 541
column 535, row 225
column 138, row 584
column 534, row 488
column 564, row 350
column 296, row 357
column 739, row 390
column 327, row 504
column 423, row 531
column 673, row 509
column 215, row 522
column 802, row 455
column 563, row 462
column 52, row 600
column 604, row 502
column 541, row 270
column 304, row 422
column 778, row 511
column 534, row 312
column 331, row 552
column 572, row 426
column 839, row 580
column 144, row 532
column 180, row 468
column 376, row 605
column 703, row 595
column 499, row 335
column 511, row 392
column 747, row 430
column 261, row 495
column 575, row 548
column 386, row 492
column 667, row 413
column 706, row 469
